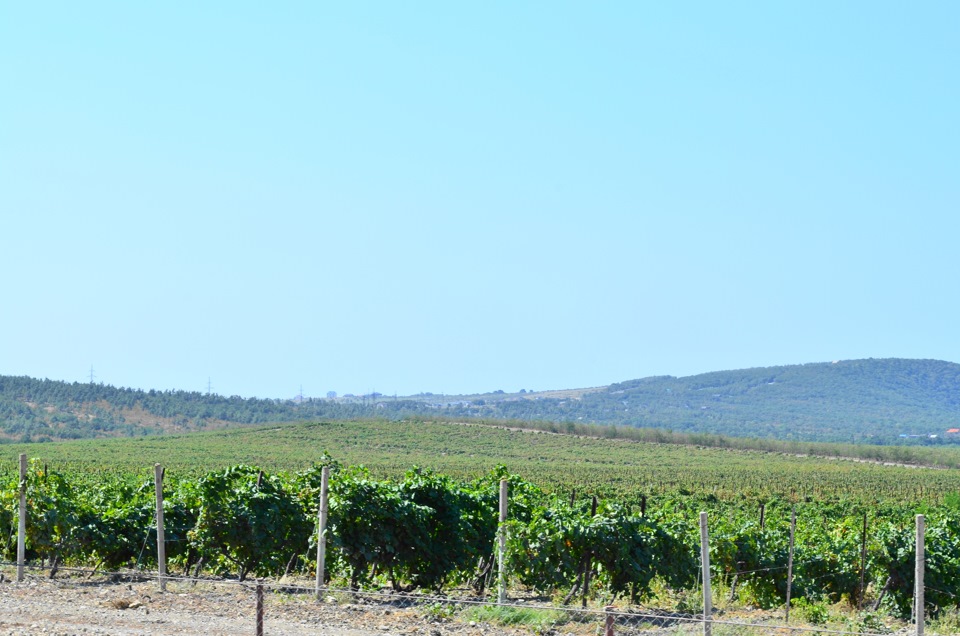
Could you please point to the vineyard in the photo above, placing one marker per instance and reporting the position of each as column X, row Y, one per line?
column 431, row 532
column 614, row 469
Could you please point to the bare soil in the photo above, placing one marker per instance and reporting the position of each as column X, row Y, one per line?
column 65, row 607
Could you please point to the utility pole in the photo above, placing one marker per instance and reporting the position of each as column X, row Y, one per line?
column 208, row 385
column 91, row 374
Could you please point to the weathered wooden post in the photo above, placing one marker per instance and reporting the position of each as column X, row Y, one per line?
column 589, row 561
column 863, row 563
column 793, row 529
column 161, row 539
column 502, row 548
column 22, row 526
column 322, row 527
column 705, row 560
column 918, row 593
column 610, row 619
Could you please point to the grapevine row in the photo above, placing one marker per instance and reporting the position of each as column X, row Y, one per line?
column 430, row 531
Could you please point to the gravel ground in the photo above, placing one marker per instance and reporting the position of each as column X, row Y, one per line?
column 78, row 606
column 107, row 605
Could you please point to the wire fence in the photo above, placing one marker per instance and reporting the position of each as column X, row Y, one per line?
column 701, row 615
column 271, row 598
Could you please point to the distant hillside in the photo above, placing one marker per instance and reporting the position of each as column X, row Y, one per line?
column 42, row 410
column 871, row 401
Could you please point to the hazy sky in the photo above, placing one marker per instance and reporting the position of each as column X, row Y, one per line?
column 462, row 197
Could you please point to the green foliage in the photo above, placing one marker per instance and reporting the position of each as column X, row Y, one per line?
column 250, row 520
column 9, row 511
column 897, row 556
column 828, row 556
column 813, row 612
column 115, row 517
column 55, row 514
column 616, row 469
column 631, row 550
column 539, row 620
column 858, row 401
column 741, row 549
column 459, row 531
column 426, row 529
column 546, row 551
column 868, row 623
column 552, row 549
column 371, row 524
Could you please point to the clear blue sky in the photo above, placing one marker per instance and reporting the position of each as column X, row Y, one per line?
column 462, row 197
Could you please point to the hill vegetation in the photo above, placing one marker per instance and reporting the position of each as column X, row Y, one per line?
column 422, row 529
column 891, row 401
column 432, row 473
column 858, row 401
column 618, row 468
column 423, row 512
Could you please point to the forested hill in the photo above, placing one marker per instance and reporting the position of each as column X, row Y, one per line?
column 42, row 410
column 871, row 401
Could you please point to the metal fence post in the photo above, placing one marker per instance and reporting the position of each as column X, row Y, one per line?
column 259, row 609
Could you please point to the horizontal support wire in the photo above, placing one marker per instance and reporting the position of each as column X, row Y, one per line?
column 414, row 599
column 927, row 587
column 771, row 569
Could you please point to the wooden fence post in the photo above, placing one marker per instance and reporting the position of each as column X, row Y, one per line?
column 863, row 563
column 793, row 529
column 918, row 593
column 161, row 538
column 502, row 548
column 608, row 626
column 322, row 527
column 589, row 559
column 22, row 526
column 705, row 560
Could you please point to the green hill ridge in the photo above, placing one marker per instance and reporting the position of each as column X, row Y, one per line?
column 877, row 401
